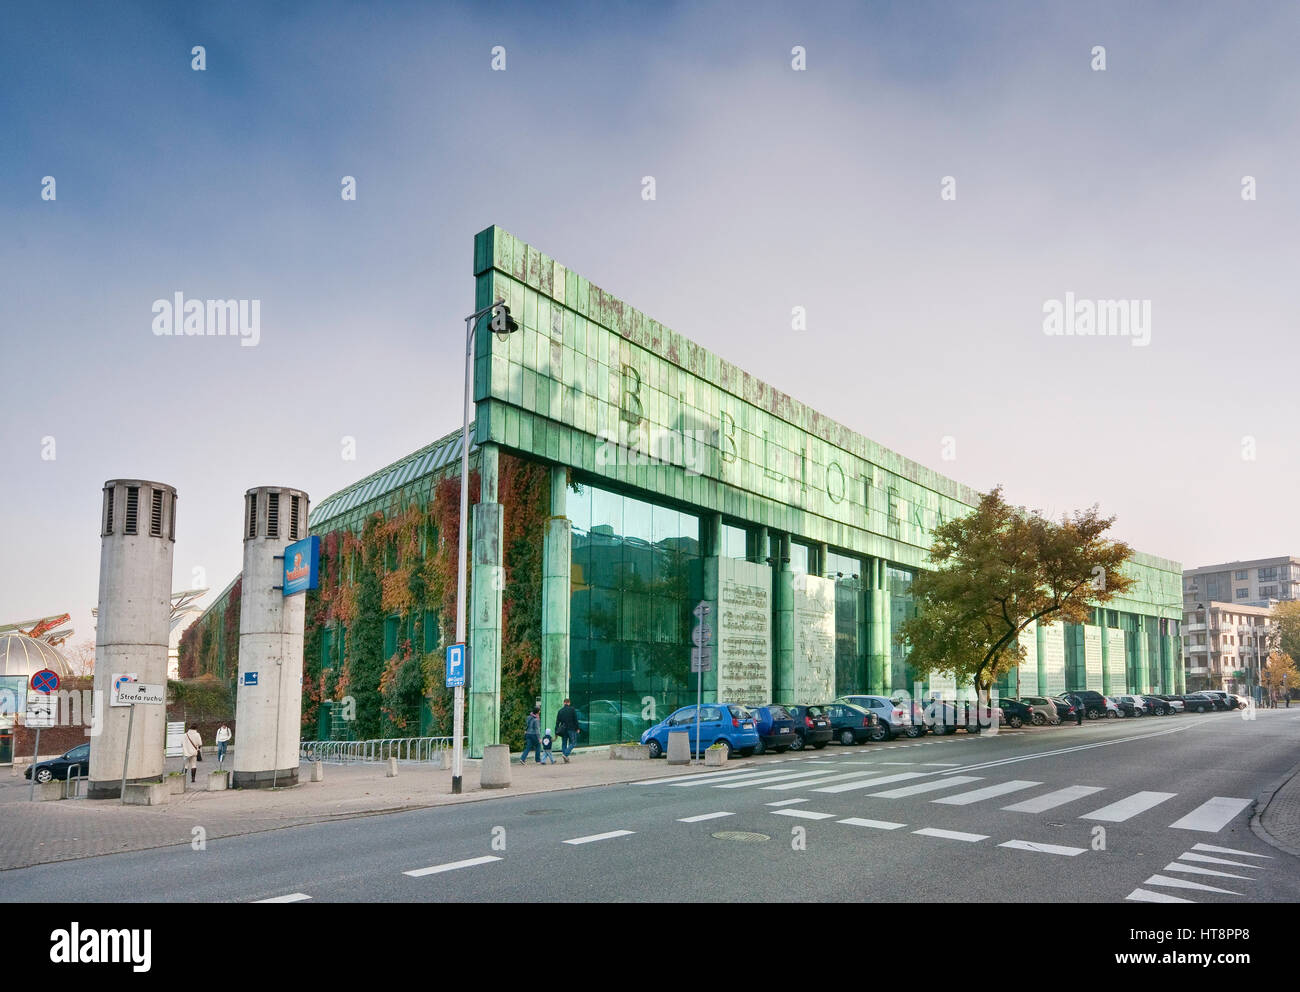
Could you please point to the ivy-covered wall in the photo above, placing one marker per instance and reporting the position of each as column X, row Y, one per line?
column 378, row 627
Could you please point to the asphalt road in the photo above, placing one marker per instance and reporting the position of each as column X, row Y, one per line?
column 1152, row 809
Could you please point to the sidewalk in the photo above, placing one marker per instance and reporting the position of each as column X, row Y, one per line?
column 1278, row 816
column 36, row 833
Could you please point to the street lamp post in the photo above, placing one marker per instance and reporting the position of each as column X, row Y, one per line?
column 502, row 324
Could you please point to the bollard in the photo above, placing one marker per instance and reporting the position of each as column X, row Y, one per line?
column 679, row 747
column 495, row 771
column 392, row 768
column 318, row 771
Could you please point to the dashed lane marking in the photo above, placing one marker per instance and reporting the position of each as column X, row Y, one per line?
column 1031, row 845
column 702, row 817
column 787, row 802
column 451, row 866
column 857, row 821
column 291, row 897
column 803, row 814
column 605, row 836
column 950, row 834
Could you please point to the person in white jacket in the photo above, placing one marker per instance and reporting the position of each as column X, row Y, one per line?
column 190, row 746
column 223, row 736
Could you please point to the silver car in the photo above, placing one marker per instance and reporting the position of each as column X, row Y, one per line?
column 1044, row 710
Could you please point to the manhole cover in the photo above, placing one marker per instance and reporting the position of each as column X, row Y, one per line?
column 742, row 836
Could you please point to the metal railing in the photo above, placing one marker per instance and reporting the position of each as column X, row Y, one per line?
column 72, row 784
column 412, row 749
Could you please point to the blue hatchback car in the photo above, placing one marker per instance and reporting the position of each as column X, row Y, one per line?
column 720, row 723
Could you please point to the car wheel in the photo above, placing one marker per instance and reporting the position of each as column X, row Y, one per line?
column 914, row 731
column 759, row 748
column 44, row 775
column 1014, row 722
column 972, row 728
column 878, row 734
column 797, row 743
column 1040, row 719
column 655, row 750
column 939, row 730
column 1092, row 714
column 847, row 738
column 1160, row 711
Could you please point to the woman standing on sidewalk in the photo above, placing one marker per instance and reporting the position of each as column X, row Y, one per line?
column 191, row 746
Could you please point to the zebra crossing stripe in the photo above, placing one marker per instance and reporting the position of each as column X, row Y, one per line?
column 783, row 786
column 1193, row 870
column 1145, row 895
column 702, row 817
column 1129, row 807
column 1229, row 850
column 771, row 777
column 1182, row 883
column 1206, row 859
column 871, row 782
column 934, row 786
column 1041, row 804
column 950, row 834
column 988, row 792
column 1212, row 815
column 857, row 821
column 803, row 814
column 1031, row 845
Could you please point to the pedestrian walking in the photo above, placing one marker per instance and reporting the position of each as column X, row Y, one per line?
column 566, row 725
column 223, row 738
column 532, row 739
column 1078, row 712
column 192, row 748
column 546, row 747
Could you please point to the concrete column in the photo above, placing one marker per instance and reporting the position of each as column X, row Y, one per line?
column 783, row 686
column 1143, row 674
column 1105, row 655
column 1168, row 662
column 137, row 541
column 880, row 659
column 557, row 559
column 488, row 581
column 1041, row 631
column 864, row 629
column 1180, row 670
column 268, row 703
column 710, row 556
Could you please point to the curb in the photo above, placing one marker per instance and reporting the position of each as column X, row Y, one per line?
column 1261, row 806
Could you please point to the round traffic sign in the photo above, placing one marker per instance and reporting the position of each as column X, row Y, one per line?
column 45, row 681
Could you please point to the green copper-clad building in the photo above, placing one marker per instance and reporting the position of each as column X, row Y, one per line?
column 623, row 474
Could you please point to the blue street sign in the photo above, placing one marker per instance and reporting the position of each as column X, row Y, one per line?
column 250, row 678
column 455, row 665
column 301, row 561
column 45, row 681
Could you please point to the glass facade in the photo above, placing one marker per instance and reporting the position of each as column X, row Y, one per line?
column 636, row 577
column 734, row 542
column 901, row 607
column 850, row 645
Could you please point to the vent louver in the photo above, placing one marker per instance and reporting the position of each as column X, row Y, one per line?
column 293, row 518
column 272, row 514
column 155, row 513
column 110, row 497
column 132, row 510
column 252, row 514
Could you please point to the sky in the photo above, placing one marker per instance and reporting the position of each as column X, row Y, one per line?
column 775, row 188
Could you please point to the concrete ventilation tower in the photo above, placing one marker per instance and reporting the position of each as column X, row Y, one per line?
column 268, row 713
column 138, row 538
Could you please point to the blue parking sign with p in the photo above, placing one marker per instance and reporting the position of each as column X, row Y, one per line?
column 455, row 665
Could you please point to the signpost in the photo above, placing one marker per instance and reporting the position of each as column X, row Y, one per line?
column 40, row 712
column 120, row 680
column 701, row 662
column 128, row 691
column 455, row 666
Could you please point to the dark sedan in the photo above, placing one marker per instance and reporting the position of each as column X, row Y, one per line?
column 58, row 768
column 1015, row 713
column 812, row 727
column 775, row 728
column 853, row 724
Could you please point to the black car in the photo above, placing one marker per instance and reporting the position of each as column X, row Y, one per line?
column 58, row 768
column 854, row 724
column 1066, row 709
column 1016, row 714
column 812, row 727
column 1223, row 700
column 1093, row 702
column 1203, row 702
column 1157, row 706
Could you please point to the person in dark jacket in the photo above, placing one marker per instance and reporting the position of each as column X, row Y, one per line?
column 566, row 725
column 532, row 737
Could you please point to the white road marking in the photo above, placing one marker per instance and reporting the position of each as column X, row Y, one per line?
column 772, row 777
column 1193, row 870
column 605, row 836
column 1229, row 850
column 934, row 786
column 1205, row 858
column 803, row 814
column 700, row 775
column 703, row 816
column 452, row 866
column 942, row 764
column 950, row 834
column 787, row 802
column 1040, row 804
column 890, row 762
column 1143, row 895
column 988, row 792
column 291, row 897
column 1212, row 815
column 1078, row 747
column 1129, row 807
column 870, row 782
column 1182, row 883
column 785, row 786
column 857, row 821
column 1030, row 845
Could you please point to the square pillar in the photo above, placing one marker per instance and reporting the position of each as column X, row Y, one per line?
column 486, row 586
column 557, row 571
column 1142, row 676
column 783, row 684
column 880, row 660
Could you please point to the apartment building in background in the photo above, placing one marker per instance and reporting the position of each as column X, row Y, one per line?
column 1224, row 645
column 1261, row 582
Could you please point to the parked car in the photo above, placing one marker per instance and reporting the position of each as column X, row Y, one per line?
column 1200, row 702
column 1016, row 713
column 1157, row 706
column 1093, row 702
column 1228, row 700
column 1065, row 709
column 1044, row 709
column 1112, row 707
column 728, row 724
column 894, row 719
column 852, row 724
column 1131, row 705
column 915, row 708
column 58, row 768
column 812, row 727
column 1175, row 704
column 943, row 716
column 775, row 728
